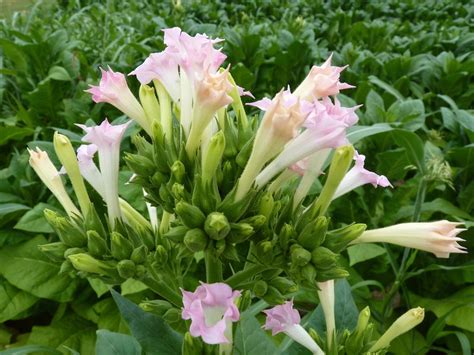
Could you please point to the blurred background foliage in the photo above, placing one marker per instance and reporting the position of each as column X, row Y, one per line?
column 412, row 63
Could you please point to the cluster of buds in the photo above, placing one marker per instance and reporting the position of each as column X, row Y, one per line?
column 227, row 195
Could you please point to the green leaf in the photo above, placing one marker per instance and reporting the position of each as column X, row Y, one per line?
column 7, row 208
column 437, row 205
column 365, row 251
column 132, row 286
column 59, row 73
column 25, row 267
column 462, row 338
column 411, row 342
column 8, row 133
column 356, row 133
column 110, row 343
column 388, row 88
column 411, row 113
column 13, row 301
column 34, row 220
column 250, row 339
column 99, row 286
column 151, row 331
column 413, row 145
column 31, row 349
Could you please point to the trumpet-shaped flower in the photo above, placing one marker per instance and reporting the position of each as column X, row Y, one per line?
column 284, row 318
column 114, row 90
column 403, row 324
column 90, row 172
column 326, row 298
column 211, row 309
column 326, row 127
column 359, row 176
column 47, row 172
column 107, row 138
column 322, row 81
column 439, row 238
column 283, row 117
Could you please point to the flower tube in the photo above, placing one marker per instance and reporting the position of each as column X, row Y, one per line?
column 439, row 238
column 114, row 90
column 326, row 297
column 211, row 309
column 284, row 318
column 47, row 172
column 359, row 176
column 107, row 138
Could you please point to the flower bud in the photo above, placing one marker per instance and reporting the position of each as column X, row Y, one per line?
column 196, row 240
column 308, row 273
column 176, row 234
column 72, row 251
column 300, row 256
column 217, row 226
column 67, row 232
column 265, row 251
column 323, row 258
column 331, row 274
column 178, row 191
column 54, row 251
column 149, row 103
column 245, row 300
column 178, row 171
column 120, row 248
column 213, row 156
column 256, row 221
column 338, row 239
column 266, row 205
column 161, row 255
column 260, row 288
column 284, row 285
column 172, row 315
column 96, row 245
column 190, row 215
column 240, row 232
column 314, row 233
column 355, row 342
column 287, row 232
column 92, row 221
column 126, row 268
column 140, row 164
column 158, row 307
column 139, row 254
column 85, row 262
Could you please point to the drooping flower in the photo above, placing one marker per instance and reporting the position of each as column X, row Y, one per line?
column 326, row 126
column 359, row 176
column 114, row 90
column 211, row 309
column 403, row 324
column 283, row 118
column 322, row 81
column 439, row 238
column 47, row 172
column 107, row 138
column 284, row 318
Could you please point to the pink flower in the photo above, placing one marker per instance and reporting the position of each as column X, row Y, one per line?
column 359, row 176
column 88, row 169
column 212, row 310
column 439, row 238
column 114, row 90
column 243, row 92
column 284, row 318
column 322, row 81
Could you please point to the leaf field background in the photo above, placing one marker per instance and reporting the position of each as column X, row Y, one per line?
column 413, row 63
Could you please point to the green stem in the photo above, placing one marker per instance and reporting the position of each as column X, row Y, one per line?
column 162, row 289
column 244, row 275
column 213, row 267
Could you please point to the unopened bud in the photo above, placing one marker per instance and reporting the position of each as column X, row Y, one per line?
column 172, row 315
column 284, row 285
column 196, row 240
column 140, row 164
column 217, row 226
column 191, row 345
column 178, row 191
column 256, row 221
column 308, row 273
column 139, row 254
column 338, row 239
column 331, row 274
column 176, row 234
column 314, row 233
column 213, row 156
column 120, row 248
column 150, row 105
column 240, row 232
column 287, row 232
column 178, row 171
column 260, row 288
column 158, row 307
column 300, row 256
column 323, row 258
column 126, row 268
column 54, row 251
column 96, row 245
column 266, row 205
column 87, row 263
column 190, row 215
column 161, row 255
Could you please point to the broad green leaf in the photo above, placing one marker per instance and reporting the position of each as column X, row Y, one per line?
column 110, row 343
column 34, row 220
column 250, row 339
column 131, row 286
column 393, row 163
column 25, row 267
column 388, row 88
column 465, row 119
column 8, row 133
column 8, row 197
column 13, row 301
column 7, row 208
column 365, row 251
column 410, row 113
column 59, row 73
column 437, row 205
column 98, row 286
column 413, row 145
column 411, row 342
column 356, row 133
column 151, row 331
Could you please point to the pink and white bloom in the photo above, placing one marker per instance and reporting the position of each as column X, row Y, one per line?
column 211, row 309
column 284, row 318
column 322, row 81
column 107, row 139
column 243, row 92
column 114, row 90
column 90, row 172
column 439, row 238
column 359, row 176
column 47, row 172
column 326, row 126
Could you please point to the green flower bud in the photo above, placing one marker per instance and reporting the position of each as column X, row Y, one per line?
column 54, row 251
column 244, row 154
column 191, row 345
column 338, row 239
column 256, row 221
column 217, row 226
column 140, row 164
column 220, row 247
column 161, row 255
column 126, row 268
column 284, row 285
column 190, row 215
column 323, row 258
column 331, row 274
column 300, row 256
column 172, row 315
column 287, row 232
column 120, row 248
column 150, row 106
column 178, row 191
column 96, row 245
column 92, row 222
column 273, row 296
column 178, row 171
column 265, row 251
column 72, row 251
column 87, row 263
column 196, row 240
column 176, row 234
column 244, row 301
column 158, row 307
column 260, row 288
column 308, row 273
column 159, row 178
column 139, row 254
column 213, row 156
column 240, row 232
column 355, row 342
column 314, row 233
column 140, row 271
column 68, row 233
column 266, row 205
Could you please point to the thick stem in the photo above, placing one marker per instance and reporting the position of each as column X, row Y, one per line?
column 235, row 280
column 213, row 267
